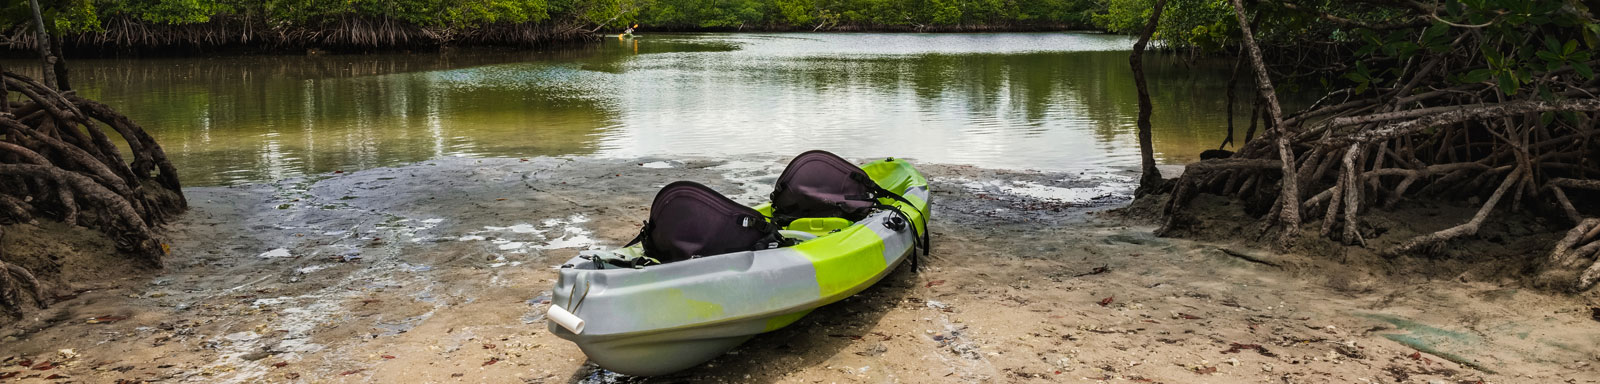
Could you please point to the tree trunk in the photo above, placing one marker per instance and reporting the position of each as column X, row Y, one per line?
column 1150, row 180
column 60, row 65
column 1289, row 212
column 43, row 44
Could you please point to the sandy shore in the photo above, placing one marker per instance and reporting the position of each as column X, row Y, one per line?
column 439, row 272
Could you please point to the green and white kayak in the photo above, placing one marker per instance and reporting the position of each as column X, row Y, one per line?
column 665, row 318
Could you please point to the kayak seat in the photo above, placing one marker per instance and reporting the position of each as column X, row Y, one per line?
column 689, row 220
column 820, row 184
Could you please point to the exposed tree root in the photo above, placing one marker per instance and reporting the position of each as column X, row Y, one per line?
column 1423, row 133
column 17, row 284
column 58, row 161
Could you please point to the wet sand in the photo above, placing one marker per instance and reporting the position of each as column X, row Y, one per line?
column 438, row 272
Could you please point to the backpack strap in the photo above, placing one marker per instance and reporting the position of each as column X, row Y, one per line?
column 644, row 234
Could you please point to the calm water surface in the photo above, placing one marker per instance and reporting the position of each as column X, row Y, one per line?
column 1051, row 101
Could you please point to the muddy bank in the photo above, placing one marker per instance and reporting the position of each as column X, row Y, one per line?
column 439, row 271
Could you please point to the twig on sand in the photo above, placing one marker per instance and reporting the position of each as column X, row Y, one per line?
column 1249, row 258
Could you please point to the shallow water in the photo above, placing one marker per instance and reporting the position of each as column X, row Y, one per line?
column 1050, row 101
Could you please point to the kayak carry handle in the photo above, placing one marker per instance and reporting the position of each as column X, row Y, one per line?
column 565, row 319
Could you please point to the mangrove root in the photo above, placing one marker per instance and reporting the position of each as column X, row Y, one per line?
column 58, row 161
column 1424, row 131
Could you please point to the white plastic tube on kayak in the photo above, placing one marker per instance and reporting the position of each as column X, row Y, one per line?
column 566, row 319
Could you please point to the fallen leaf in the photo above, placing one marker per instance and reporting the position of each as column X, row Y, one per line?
column 55, row 377
column 280, row 364
column 1186, row 316
column 291, row 375
column 500, row 199
column 388, row 357
column 459, row 374
column 45, row 366
column 934, row 283
column 491, row 361
column 338, row 171
column 8, row 375
column 488, row 346
column 1107, row 301
column 25, row 363
column 351, row 372
column 1204, row 370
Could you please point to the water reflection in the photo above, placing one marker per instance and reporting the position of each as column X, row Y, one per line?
column 1045, row 101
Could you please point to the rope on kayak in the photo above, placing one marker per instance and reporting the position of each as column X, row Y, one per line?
column 573, row 308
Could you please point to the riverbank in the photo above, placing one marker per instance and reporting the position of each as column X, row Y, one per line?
column 123, row 37
column 236, row 36
column 439, row 272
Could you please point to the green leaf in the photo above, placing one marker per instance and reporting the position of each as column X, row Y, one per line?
column 1477, row 75
column 1570, row 47
column 1548, row 56
column 1491, row 55
column 1545, row 118
column 1507, row 82
column 1569, row 116
column 1583, row 70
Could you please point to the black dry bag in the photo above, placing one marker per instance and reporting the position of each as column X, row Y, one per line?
column 688, row 220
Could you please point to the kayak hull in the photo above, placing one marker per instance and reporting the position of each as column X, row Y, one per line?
column 665, row 318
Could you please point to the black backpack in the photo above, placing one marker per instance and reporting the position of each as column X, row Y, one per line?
column 818, row 183
column 689, row 220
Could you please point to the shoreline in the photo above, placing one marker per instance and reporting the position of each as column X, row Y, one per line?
column 434, row 272
column 86, row 47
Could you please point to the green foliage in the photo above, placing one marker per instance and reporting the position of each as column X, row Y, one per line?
column 158, row 11
column 1205, row 24
column 1507, row 43
column 90, row 15
column 865, row 13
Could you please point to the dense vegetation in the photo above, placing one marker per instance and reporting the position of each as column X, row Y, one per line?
column 1488, row 102
column 387, row 23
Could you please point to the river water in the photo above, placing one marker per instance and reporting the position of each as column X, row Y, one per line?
column 1048, row 101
